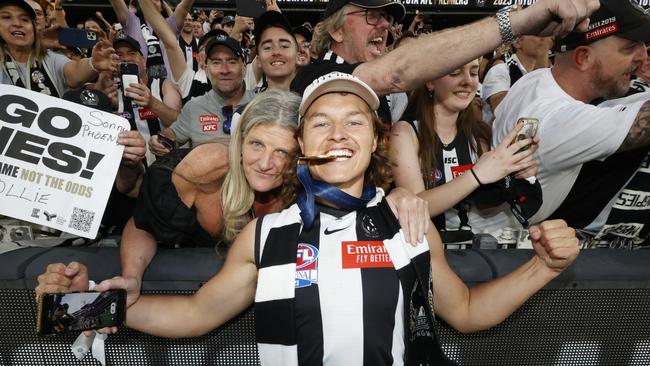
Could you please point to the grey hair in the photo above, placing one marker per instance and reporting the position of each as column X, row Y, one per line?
column 322, row 40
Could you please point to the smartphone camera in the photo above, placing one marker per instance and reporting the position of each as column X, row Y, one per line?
column 128, row 75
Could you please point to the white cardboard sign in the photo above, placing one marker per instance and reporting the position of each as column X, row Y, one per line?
column 58, row 160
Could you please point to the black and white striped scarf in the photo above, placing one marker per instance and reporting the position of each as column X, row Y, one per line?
column 275, row 321
column 628, row 223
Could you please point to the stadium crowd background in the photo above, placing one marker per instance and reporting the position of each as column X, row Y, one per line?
column 224, row 70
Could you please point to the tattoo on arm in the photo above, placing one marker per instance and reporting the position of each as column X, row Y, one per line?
column 639, row 134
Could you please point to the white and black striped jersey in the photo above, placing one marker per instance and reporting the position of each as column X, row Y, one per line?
column 349, row 303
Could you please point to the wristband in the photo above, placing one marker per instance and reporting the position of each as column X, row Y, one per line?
column 90, row 63
column 91, row 285
column 476, row 177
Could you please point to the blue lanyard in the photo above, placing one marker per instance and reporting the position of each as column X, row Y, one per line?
column 326, row 192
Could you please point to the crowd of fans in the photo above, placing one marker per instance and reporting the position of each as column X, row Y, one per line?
column 198, row 70
column 215, row 114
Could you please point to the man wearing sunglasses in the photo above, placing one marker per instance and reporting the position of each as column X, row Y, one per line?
column 352, row 39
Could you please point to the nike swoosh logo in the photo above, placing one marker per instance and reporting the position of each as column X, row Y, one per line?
column 328, row 232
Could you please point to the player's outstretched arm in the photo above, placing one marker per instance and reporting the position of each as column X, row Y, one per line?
column 486, row 305
column 227, row 294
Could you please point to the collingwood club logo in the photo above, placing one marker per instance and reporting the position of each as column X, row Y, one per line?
column 368, row 227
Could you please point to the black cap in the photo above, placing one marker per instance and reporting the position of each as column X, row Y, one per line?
column 622, row 18
column 22, row 4
column 270, row 19
column 123, row 38
column 302, row 30
column 222, row 40
column 227, row 20
column 211, row 34
column 393, row 7
column 90, row 98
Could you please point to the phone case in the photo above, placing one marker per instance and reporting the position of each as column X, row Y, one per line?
column 129, row 75
column 76, row 311
column 250, row 8
column 81, row 38
column 529, row 130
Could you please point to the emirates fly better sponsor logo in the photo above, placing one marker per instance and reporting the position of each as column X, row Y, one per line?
column 365, row 254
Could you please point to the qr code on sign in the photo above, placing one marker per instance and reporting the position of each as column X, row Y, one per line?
column 81, row 219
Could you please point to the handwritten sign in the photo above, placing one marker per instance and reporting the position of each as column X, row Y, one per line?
column 58, row 160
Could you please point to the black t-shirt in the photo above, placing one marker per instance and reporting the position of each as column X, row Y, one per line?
column 331, row 62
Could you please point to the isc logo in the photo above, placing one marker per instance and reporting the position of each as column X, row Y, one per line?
column 450, row 160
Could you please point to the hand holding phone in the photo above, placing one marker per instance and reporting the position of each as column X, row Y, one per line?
column 528, row 131
column 128, row 75
column 166, row 141
column 75, row 311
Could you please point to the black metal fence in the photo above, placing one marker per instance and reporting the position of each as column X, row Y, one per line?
column 596, row 313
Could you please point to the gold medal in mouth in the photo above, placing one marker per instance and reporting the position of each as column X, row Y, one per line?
column 330, row 155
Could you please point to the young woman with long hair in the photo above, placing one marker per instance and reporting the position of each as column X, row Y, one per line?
column 441, row 151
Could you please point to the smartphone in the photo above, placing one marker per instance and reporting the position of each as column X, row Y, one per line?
column 128, row 75
column 529, row 130
column 75, row 311
column 250, row 8
column 166, row 141
column 81, row 38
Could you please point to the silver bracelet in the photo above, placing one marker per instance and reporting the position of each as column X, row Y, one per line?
column 90, row 63
column 505, row 28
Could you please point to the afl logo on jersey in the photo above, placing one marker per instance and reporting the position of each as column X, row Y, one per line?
column 306, row 265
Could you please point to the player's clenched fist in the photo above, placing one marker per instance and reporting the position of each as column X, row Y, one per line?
column 555, row 243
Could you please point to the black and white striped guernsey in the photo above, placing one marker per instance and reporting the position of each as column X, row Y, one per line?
column 341, row 292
